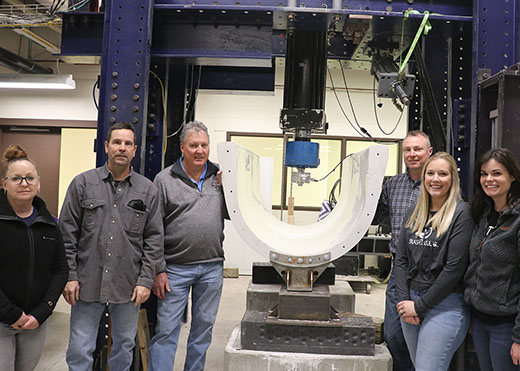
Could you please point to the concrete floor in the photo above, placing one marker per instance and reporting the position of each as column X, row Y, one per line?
column 232, row 308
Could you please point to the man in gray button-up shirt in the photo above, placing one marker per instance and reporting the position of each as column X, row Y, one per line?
column 113, row 235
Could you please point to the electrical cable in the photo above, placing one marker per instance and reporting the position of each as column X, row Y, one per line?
column 94, row 93
column 332, row 197
column 165, row 128
column 72, row 8
column 52, row 5
column 195, row 95
column 59, row 4
column 191, row 103
column 375, row 112
column 333, row 169
column 187, row 116
column 434, row 115
column 365, row 131
column 190, row 95
column 341, row 106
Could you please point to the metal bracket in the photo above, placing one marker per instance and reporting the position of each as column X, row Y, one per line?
column 299, row 272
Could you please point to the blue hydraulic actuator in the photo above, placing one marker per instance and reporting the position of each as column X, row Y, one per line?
column 304, row 98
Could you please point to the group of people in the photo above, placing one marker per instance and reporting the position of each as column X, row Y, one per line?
column 119, row 237
column 456, row 265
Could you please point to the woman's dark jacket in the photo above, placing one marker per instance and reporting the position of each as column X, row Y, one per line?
column 432, row 265
column 492, row 281
column 33, row 267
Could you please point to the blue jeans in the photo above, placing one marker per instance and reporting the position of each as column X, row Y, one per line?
column 84, row 325
column 20, row 349
column 440, row 333
column 205, row 281
column 392, row 331
column 492, row 345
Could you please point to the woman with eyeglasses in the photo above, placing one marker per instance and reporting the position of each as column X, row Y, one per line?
column 493, row 277
column 432, row 256
column 33, row 267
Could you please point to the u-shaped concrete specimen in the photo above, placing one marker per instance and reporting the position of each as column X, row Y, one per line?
column 314, row 244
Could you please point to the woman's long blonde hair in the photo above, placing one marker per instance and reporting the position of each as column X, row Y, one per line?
column 442, row 219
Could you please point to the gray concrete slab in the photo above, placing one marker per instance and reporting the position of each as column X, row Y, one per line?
column 237, row 359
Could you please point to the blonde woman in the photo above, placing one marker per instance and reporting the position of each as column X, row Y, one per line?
column 432, row 256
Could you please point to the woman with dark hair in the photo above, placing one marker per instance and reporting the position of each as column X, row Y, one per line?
column 432, row 256
column 492, row 281
column 33, row 267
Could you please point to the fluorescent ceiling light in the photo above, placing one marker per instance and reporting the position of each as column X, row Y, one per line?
column 34, row 81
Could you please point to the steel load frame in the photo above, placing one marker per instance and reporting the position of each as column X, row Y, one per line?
column 236, row 41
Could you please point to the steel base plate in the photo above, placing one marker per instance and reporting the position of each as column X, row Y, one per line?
column 348, row 335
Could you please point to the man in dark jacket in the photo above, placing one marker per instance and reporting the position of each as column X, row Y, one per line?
column 193, row 212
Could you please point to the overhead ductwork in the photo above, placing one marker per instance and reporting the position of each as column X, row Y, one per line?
column 16, row 63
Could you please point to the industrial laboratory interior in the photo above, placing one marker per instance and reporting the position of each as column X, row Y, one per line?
column 306, row 106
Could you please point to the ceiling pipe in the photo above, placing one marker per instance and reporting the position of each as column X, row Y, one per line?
column 16, row 63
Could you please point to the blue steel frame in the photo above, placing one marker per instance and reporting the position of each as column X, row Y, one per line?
column 125, row 64
column 259, row 28
column 495, row 46
column 254, row 30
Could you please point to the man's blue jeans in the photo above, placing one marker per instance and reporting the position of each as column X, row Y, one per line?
column 84, row 325
column 440, row 333
column 392, row 331
column 492, row 345
column 205, row 281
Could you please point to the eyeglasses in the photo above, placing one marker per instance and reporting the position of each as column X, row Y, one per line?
column 17, row 180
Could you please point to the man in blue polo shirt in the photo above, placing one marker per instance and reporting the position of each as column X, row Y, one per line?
column 193, row 212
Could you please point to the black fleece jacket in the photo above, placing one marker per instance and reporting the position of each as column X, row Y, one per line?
column 431, row 265
column 33, row 267
column 492, row 281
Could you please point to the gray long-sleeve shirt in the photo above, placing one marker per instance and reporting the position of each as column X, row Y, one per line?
column 113, row 234
column 193, row 219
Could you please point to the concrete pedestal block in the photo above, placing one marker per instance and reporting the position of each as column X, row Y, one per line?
column 237, row 359
column 263, row 297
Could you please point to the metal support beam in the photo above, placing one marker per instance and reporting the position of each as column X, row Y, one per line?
column 125, row 72
column 495, row 47
column 16, row 63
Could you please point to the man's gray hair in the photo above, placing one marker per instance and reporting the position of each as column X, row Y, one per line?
column 419, row 133
column 192, row 127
